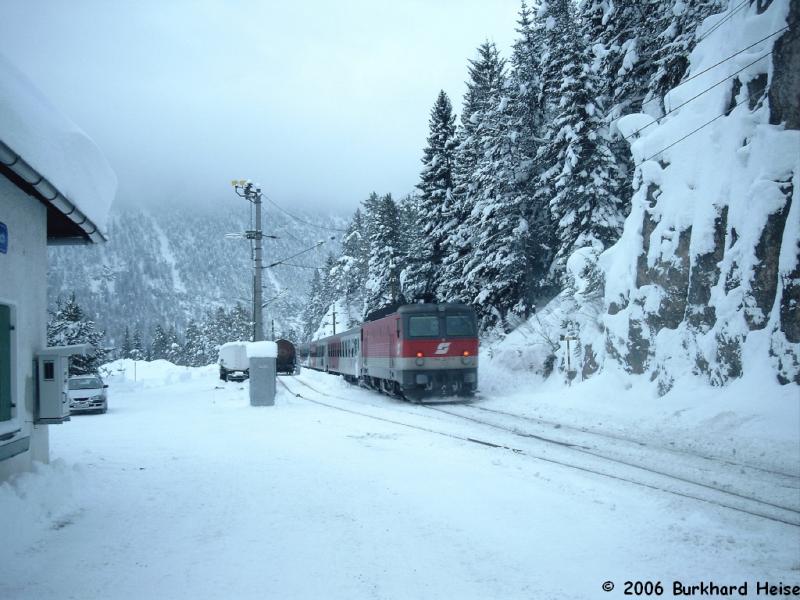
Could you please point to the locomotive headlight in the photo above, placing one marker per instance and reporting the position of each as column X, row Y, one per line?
column 420, row 360
column 466, row 359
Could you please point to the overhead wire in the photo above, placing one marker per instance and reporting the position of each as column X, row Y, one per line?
column 708, row 89
column 296, row 218
column 283, row 260
column 724, row 20
column 734, row 55
column 288, row 264
column 704, row 125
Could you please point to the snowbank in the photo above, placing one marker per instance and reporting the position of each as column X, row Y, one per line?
column 128, row 374
column 753, row 419
column 53, row 145
column 33, row 502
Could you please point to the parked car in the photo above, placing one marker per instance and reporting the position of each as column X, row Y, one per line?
column 87, row 393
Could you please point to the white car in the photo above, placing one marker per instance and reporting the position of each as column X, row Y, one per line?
column 87, row 393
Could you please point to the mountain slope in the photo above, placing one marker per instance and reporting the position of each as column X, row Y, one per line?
column 171, row 265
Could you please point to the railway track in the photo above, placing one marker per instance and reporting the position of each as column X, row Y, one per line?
column 581, row 457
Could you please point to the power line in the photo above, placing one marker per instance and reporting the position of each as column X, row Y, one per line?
column 695, row 97
column 725, row 19
column 708, row 89
column 724, row 60
column 691, row 133
column 282, row 260
column 298, row 219
column 288, row 264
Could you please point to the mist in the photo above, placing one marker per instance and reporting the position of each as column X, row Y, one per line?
column 319, row 102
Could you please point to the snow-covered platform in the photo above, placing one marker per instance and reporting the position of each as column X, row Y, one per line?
column 185, row 491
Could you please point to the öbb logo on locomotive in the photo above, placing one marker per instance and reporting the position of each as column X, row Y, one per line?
column 416, row 351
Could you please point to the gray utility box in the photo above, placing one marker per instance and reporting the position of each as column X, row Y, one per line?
column 52, row 375
column 263, row 377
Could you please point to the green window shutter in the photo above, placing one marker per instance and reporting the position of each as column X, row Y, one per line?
column 5, row 362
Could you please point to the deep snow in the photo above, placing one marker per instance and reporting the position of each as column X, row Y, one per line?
column 182, row 490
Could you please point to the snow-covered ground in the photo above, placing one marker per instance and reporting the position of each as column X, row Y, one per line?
column 182, row 490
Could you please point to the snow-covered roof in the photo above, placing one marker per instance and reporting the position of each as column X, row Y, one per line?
column 51, row 153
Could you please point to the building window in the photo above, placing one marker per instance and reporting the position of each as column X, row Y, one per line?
column 5, row 362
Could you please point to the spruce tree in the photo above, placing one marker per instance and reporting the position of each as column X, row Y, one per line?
column 496, row 269
column 159, row 347
column 676, row 23
column 194, row 354
column 240, row 324
column 385, row 261
column 581, row 176
column 137, row 349
column 313, row 311
column 486, row 74
column 174, row 354
column 68, row 325
column 351, row 266
column 433, row 208
column 127, row 344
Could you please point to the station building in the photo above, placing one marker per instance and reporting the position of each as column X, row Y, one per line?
column 56, row 187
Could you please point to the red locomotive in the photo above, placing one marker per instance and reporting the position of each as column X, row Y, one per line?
column 417, row 351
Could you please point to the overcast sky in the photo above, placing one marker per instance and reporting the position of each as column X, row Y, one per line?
column 320, row 101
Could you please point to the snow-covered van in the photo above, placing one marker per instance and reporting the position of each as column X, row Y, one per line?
column 233, row 363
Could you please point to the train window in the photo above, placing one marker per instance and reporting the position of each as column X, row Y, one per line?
column 459, row 325
column 423, row 326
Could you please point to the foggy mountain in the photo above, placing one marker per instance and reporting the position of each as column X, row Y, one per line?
column 168, row 265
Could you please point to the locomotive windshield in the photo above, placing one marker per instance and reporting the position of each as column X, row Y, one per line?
column 423, row 326
column 459, row 325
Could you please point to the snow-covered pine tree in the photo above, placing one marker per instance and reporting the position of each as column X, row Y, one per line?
column 486, row 75
column 351, row 266
column 385, row 261
column 621, row 35
column 422, row 275
column 675, row 25
column 314, row 309
column 331, row 288
column 496, row 268
column 526, row 132
column 174, row 349
column 212, row 333
column 68, row 325
column 127, row 344
column 512, row 237
column 137, row 349
column 240, row 324
column 194, row 354
column 580, row 176
column 160, row 344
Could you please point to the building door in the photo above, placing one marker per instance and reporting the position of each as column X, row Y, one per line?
column 5, row 362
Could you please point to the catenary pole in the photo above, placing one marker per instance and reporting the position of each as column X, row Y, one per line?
column 252, row 193
column 258, row 325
